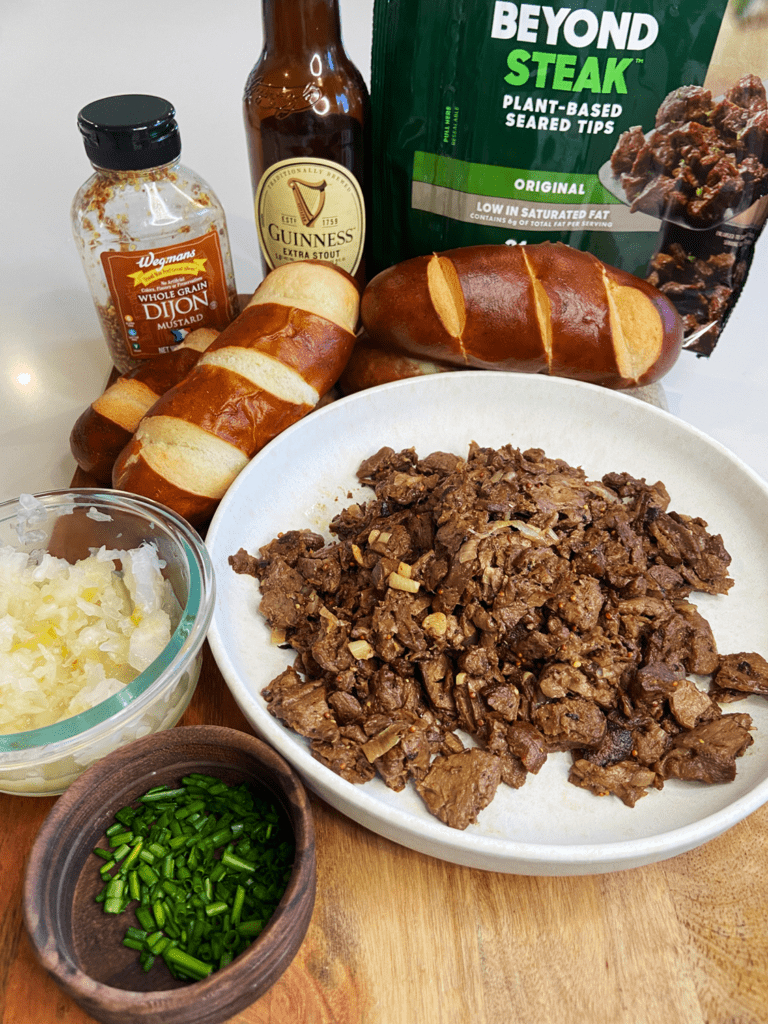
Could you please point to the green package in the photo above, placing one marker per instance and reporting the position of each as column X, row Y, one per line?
column 498, row 122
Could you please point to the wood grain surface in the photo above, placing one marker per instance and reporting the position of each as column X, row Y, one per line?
column 400, row 938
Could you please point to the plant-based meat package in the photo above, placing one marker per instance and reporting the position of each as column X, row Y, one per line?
column 635, row 131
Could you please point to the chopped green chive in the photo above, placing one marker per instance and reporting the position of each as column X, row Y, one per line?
column 204, row 864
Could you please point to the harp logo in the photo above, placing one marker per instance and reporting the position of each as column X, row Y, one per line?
column 302, row 191
column 310, row 209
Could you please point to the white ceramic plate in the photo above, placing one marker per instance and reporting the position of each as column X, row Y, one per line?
column 548, row 827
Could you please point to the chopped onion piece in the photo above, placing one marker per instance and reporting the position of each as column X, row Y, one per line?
column 73, row 634
column 534, row 532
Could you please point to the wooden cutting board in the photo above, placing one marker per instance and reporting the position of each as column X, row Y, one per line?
column 400, row 938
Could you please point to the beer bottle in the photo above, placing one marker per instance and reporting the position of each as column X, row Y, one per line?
column 306, row 114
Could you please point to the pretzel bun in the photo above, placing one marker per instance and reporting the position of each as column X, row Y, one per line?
column 545, row 308
column 266, row 370
column 102, row 431
column 370, row 365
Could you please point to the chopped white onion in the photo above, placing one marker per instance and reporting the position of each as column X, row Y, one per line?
column 73, row 634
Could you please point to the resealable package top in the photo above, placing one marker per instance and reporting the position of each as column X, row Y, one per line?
column 635, row 131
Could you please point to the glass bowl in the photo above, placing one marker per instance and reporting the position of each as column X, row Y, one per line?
column 70, row 524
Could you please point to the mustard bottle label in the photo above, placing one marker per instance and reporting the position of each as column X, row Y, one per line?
column 310, row 209
column 160, row 295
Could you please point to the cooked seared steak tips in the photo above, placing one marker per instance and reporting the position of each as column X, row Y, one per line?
column 458, row 786
column 702, row 160
column 702, row 288
column 708, row 752
column 738, row 675
column 627, row 780
column 478, row 614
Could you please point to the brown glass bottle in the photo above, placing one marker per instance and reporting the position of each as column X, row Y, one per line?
column 306, row 114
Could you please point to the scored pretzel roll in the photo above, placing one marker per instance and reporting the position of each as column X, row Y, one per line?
column 105, row 427
column 266, row 370
column 544, row 308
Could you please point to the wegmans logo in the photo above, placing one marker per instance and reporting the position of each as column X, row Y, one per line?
column 187, row 264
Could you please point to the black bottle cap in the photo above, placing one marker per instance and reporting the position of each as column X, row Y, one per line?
column 129, row 133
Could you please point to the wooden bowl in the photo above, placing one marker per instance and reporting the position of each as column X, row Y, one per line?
column 81, row 947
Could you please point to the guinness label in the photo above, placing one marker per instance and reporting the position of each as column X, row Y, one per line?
column 310, row 209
